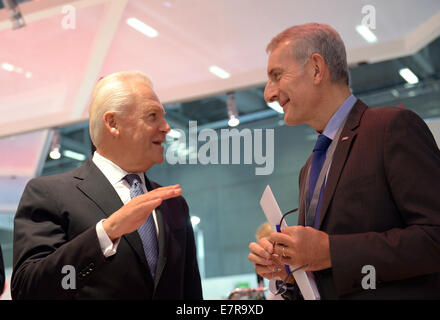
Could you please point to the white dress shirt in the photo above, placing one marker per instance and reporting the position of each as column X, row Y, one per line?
column 115, row 175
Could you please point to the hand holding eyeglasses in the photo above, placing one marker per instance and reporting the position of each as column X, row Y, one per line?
column 299, row 246
column 266, row 265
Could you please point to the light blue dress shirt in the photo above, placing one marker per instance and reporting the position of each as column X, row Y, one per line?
column 336, row 121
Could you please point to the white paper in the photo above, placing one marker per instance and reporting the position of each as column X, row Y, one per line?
column 305, row 280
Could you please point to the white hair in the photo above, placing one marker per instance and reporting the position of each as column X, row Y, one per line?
column 114, row 93
column 311, row 38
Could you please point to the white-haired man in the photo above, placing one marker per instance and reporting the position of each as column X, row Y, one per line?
column 369, row 221
column 104, row 231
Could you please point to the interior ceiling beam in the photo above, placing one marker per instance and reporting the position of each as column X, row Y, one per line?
column 101, row 44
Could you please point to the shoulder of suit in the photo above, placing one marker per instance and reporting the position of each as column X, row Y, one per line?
column 382, row 116
column 387, row 112
column 55, row 179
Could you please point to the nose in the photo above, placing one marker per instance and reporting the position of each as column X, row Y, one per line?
column 165, row 127
column 271, row 93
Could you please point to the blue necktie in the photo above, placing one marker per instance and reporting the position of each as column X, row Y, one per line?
column 318, row 159
column 147, row 231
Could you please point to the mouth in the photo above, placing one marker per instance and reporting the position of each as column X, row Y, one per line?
column 284, row 104
column 158, row 142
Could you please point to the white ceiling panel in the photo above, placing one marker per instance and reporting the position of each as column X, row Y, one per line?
column 63, row 65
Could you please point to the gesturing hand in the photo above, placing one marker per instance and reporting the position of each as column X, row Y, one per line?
column 132, row 215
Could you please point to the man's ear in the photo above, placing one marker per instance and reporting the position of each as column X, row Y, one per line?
column 111, row 123
column 319, row 68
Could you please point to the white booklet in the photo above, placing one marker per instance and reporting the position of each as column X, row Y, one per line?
column 305, row 280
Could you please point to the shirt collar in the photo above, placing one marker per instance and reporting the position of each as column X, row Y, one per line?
column 112, row 171
column 336, row 120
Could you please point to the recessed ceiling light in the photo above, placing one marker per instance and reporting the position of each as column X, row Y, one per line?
column 275, row 106
column 366, row 33
column 219, row 72
column 74, row 155
column 7, row 66
column 142, row 27
column 408, row 75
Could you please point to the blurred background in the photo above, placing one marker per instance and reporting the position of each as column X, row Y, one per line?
column 207, row 61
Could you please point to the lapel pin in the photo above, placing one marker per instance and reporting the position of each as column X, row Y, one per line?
column 344, row 139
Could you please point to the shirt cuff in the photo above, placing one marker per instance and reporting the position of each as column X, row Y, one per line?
column 107, row 246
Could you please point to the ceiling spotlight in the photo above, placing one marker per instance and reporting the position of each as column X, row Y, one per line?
column 233, row 121
column 15, row 16
column 54, row 153
column 55, row 146
column 231, row 106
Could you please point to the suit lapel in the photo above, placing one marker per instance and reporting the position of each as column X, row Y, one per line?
column 302, row 192
column 164, row 231
column 340, row 156
column 95, row 186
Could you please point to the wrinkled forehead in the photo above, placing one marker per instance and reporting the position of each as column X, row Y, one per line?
column 280, row 57
column 146, row 98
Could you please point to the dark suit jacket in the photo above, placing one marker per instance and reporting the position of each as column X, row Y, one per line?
column 2, row 272
column 381, row 207
column 55, row 225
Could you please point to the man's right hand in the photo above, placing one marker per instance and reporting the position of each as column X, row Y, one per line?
column 266, row 263
column 132, row 215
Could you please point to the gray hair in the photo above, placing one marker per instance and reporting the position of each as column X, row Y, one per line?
column 311, row 38
column 114, row 92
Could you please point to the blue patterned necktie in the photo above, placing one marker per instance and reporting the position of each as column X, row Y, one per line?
column 147, row 231
column 319, row 152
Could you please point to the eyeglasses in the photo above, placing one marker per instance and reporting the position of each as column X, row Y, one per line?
column 282, row 285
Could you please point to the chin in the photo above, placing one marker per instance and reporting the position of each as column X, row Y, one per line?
column 158, row 160
column 291, row 121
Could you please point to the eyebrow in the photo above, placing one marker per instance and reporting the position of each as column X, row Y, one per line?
column 154, row 107
column 273, row 70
